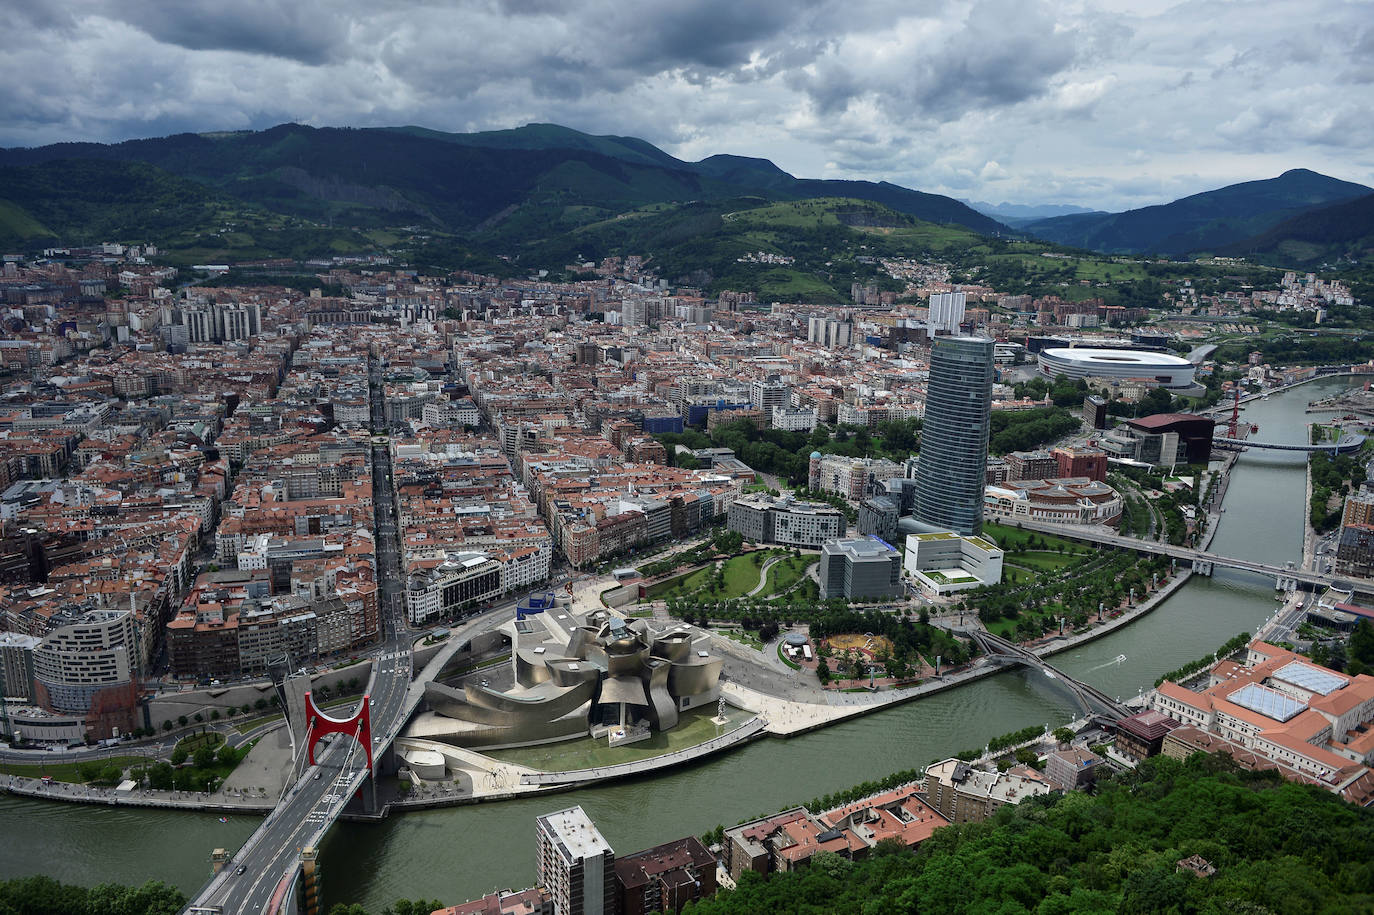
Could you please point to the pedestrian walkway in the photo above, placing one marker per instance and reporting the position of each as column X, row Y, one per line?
column 219, row 801
column 763, row 574
column 750, row 729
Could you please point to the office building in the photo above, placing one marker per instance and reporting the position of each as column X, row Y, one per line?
column 575, row 864
column 878, row 516
column 785, row 521
column 16, row 664
column 864, row 567
column 1081, row 462
column 954, row 440
column 768, row 393
column 1031, row 465
column 943, row 562
column 1095, row 412
column 87, row 665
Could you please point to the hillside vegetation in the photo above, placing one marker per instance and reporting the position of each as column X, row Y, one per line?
column 1200, row 222
column 1278, row 847
column 1343, row 231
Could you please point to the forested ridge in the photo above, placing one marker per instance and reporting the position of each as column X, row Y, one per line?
column 1278, row 847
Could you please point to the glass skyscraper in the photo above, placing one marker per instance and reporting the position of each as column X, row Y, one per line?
column 954, row 438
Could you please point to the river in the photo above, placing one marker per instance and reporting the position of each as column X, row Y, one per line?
column 459, row 853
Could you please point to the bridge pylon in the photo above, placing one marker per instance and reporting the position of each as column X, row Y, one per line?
column 308, row 889
column 318, row 724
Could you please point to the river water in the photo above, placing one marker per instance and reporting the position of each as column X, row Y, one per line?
column 459, row 853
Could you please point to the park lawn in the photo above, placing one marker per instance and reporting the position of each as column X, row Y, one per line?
column 211, row 739
column 1008, row 538
column 67, row 772
column 680, row 585
column 741, row 574
column 749, row 638
column 1004, row 627
column 1014, row 576
column 787, row 573
column 1042, row 560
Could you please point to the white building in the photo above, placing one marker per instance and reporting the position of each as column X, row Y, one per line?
column 947, row 311
column 575, row 863
column 455, row 584
column 944, row 562
column 793, row 419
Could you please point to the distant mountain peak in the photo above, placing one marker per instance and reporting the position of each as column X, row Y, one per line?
column 1205, row 221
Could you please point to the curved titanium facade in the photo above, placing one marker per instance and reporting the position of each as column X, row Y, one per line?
column 954, row 439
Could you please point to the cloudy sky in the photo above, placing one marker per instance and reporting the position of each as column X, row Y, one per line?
column 1108, row 103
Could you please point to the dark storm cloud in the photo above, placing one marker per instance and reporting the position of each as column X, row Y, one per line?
column 309, row 31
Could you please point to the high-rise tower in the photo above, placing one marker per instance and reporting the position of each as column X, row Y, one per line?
column 954, row 438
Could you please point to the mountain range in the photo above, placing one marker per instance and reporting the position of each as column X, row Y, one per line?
column 1019, row 214
column 1202, row 222
column 548, row 191
column 508, row 184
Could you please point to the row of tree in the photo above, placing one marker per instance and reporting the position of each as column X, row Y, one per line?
column 46, row 896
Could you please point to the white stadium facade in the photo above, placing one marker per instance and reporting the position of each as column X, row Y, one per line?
column 1159, row 368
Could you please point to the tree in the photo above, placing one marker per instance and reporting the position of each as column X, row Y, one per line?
column 167, row 725
column 1361, row 648
column 183, row 720
column 179, row 755
column 204, row 757
column 227, row 755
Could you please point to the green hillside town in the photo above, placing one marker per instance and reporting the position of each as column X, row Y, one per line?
column 529, row 459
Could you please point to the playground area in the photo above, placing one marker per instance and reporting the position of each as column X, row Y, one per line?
column 865, row 643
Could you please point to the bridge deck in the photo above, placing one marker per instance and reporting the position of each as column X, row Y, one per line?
column 996, row 646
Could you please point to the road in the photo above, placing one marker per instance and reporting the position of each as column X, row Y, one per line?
column 271, row 856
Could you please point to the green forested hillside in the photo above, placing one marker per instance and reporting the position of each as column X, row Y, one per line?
column 468, row 183
column 828, row 243
column 1278, row 848
column 1324, row 235
column 1200, row 222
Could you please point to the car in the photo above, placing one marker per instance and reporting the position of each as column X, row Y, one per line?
column 317, row 776
column 240, row 869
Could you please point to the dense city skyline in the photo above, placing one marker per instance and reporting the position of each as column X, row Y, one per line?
column 1097, row 104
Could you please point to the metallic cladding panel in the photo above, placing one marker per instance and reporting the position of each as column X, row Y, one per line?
column 662, row 707
column 674, row 646
column 626, row 657
column 695, row 676
column 530, row 668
